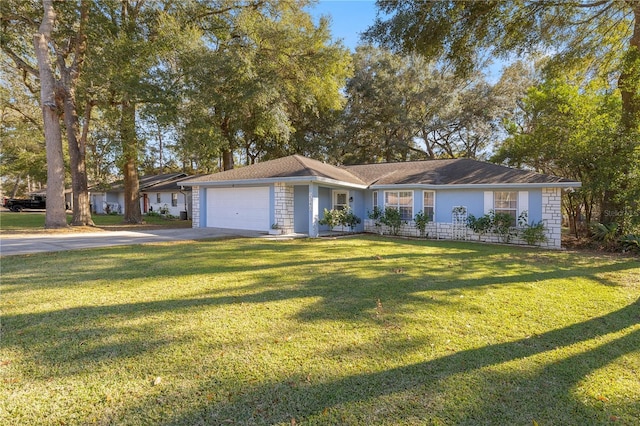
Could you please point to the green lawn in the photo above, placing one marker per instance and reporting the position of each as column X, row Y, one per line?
column 34, row 221
column 351, row 331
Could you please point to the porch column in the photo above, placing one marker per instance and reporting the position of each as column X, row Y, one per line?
column 313, row 210
column 196, row 208
column 283, row 200
column 552, row 216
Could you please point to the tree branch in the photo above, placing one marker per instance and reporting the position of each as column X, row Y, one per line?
column 20, row 63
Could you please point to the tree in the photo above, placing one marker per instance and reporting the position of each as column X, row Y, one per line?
column 23, row 162
column 570, row 131
column 402, row 107
column 55, row 216
column 62, row 32
column 266, row 68
column 461, row 31
column 602, row 37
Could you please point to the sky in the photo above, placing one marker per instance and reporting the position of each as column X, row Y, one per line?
column 349, row 18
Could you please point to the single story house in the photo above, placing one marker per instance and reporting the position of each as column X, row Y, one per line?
column 291, row 194
column 159, row 193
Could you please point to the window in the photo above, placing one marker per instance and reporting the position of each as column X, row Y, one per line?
column 401, row 201
column 506, row 202
column 158, row 198
column 375, row 199
column 429, row 205
column 174, row 199
column 340, row 200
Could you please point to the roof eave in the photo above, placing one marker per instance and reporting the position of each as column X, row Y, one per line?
column 288, row 179
column 480, row 185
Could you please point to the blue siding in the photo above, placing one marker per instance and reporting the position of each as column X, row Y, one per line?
column 324, row 202
column 535, row 205
column 301, row 209
column 358, row 207
column 447, row 199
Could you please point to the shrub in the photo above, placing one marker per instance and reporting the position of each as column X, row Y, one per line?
column 335, row 217
column 376, row 215
column 534, row 233
column 607, row 234
column 631, row 243
column 502, row 225
column 331, row 218
column 421, row 219
column 393, row 219
column 480, row 225
column 350, row 219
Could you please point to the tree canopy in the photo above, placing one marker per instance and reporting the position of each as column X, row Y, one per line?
column 604, row 33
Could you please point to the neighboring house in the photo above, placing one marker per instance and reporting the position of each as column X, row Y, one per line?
column 291, row 194
column 157, row 193
column 167, row 197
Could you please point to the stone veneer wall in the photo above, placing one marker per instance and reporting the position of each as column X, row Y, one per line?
column 552, row 216
column 195, row 207
column 283, row 200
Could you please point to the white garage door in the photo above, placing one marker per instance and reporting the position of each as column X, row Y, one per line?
column 238, row 208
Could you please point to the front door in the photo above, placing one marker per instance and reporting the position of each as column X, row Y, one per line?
column 340, row 202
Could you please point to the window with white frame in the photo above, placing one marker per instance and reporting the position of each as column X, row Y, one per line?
column 401, row 201
column 158, row 198
column 506, row 202
column 174, row 199
column 429, row 198
column 340, row 200
column 375, row 199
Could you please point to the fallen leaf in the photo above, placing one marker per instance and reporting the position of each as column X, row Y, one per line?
column 602, row 398
column 3, row 363
column 157, row 381
column 293, row 422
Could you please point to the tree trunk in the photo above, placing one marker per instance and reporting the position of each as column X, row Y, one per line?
column 132, row 212
column 77, row 156
column 55, row 216
column 76, row 142
column 629, row 79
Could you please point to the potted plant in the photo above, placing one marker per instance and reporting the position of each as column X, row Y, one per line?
column 275, row 229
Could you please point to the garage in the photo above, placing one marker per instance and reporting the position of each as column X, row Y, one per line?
column 238, row 208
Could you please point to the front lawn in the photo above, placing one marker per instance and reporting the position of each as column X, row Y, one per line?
column 33, row 221
column 354, row 331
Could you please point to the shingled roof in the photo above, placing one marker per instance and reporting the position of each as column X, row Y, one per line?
column 460, row 171
column 293, row 166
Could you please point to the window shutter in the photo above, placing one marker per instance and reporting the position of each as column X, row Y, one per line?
column 523, row 201
column 488, row 201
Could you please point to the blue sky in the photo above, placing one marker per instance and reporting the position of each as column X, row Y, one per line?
column 348, row 18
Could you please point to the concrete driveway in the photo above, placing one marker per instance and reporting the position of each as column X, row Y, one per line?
column 38, row 243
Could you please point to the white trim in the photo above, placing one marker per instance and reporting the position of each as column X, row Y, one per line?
column 523, row 201
column 491, row 186
column 488, row 201
column 433, row 219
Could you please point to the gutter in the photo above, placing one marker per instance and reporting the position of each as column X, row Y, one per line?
column 288, row 179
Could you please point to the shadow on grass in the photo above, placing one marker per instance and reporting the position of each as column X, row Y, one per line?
column 79, row 336
column 488, row 397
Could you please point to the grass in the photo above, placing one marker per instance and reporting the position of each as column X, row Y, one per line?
column 348, row 331
column 11, row 222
